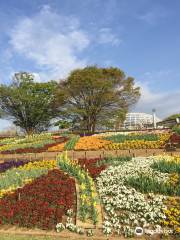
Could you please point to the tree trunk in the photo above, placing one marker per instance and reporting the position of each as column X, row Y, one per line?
column 30, row 131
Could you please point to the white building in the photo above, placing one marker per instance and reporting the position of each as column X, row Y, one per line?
column 139, row 120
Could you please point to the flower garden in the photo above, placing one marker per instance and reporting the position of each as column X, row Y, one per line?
column 110, row 141
column 115, row 142
column 115, row 194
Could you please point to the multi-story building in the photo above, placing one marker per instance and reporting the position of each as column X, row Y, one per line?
column 139, row 120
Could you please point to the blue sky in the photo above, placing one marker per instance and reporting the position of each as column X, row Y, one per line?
column 50, row 38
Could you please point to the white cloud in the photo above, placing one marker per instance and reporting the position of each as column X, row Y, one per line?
column 154, row 16
column 5, row 125
column 52, row 41
column 106, row 36
column 165, row 103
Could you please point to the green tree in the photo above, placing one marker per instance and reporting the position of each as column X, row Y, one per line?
column 28, row 103
column 95, row 96
column 63, row 124
column 173, row 117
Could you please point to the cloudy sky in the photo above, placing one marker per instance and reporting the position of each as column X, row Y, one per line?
column 52, row 37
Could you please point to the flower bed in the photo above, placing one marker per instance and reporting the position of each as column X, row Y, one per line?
column 172, row 214
column 32, row 144
column 18, row 177
column 71, row 143
column 140, row 144
column 91, row 165
column 57, row 148
column 88, row 202
column 41, row 203
column 122, row 142
column 11, row 164
column 91, row 143
column 119, row 138
column 126, row 207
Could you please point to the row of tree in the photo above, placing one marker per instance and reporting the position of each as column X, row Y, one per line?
column 88, row 99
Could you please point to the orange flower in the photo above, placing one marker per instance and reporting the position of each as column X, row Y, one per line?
column 91, row 143
column 57, row 148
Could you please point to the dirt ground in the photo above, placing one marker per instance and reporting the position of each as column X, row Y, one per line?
column 36, row 234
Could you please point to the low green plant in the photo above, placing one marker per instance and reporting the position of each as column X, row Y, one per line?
column 176, row 129
column 114, row 161
column 166, row 166
column 119, row 138
column 146, row 184
column 71, row 143
column 87, row 208
column 15, row 177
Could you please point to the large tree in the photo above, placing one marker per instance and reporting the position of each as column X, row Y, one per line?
column 97, row 96
column 28, row 103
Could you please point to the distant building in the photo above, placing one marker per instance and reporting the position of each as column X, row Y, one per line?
column 139, row 120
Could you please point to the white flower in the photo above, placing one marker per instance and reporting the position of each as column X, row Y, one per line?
column 60, row 227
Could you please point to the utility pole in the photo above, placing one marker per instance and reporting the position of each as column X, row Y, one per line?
column 154, row 117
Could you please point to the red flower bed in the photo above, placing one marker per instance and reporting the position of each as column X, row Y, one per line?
column 40, row 204
column 175, row 138
column 91, row 165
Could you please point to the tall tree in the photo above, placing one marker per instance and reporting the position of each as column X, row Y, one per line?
column 97, row 96
column 28, row 103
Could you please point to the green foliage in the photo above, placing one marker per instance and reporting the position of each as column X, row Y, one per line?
column 146, row 184
column 96, row 96
column 114, row 161
column 166, row 167
column 86, row 208
column 71, row 143
column 174, row 116
column 122, row 138
column 15, row 177
column 63, row 124
column 30, row 104
column 176, row 129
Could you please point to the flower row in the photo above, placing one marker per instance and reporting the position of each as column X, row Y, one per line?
column 11, row 164
column 34, row 143
column 87, row 191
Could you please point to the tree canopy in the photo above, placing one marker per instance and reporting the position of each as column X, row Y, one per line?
column 173, row 117
column 95, row 96
column 28, row 103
